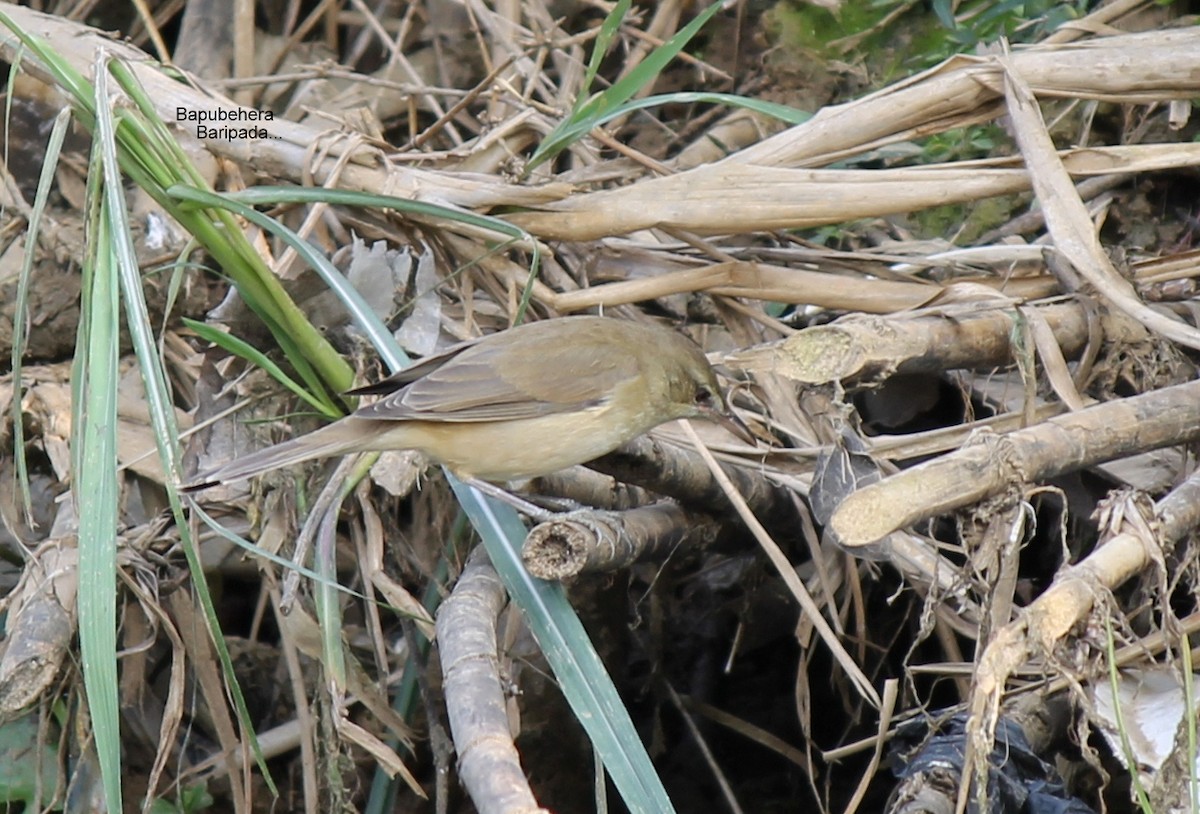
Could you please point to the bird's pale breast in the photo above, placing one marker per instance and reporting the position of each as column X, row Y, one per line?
column 523, row 448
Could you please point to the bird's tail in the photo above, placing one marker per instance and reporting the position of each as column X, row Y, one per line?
column 337, row 439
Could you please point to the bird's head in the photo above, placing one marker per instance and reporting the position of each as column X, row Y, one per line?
column 694, row 391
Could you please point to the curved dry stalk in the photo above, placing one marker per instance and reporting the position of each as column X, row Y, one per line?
column 1071, row 597
column 1067, row 218
column 590, row 541
column 1139, row 68
column 720, row 199
column 786, row 571
column 487, row 758
column 41, row 621
column 763, row 281
column 858, row 350
column 1061, row 444
column 287, row 155
column 674, row 471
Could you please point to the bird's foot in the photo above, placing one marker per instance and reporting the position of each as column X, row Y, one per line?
column 540, row 514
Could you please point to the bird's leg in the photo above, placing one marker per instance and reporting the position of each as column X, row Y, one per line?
column 558, row 505
column 537, row 513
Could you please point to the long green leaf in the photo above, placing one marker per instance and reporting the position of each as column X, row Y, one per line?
column 161, row 411
column 604, row 38
column 579, row 128
column 21, row 309
column 587, row 115
column 95, row 478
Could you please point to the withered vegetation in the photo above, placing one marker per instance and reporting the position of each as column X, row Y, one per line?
column 970, row 373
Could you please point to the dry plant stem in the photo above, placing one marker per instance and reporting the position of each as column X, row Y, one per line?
column 384, row 755
column 761, row 736
column 274, row 742
column 741, row 199
column 234, row 753
column 375, row 572
column 1154, row 271
column 763, row 281
column 173, row 707
column 307, row 726
column 587, row 487
column 287, row 155
column 1130, row 67
column 862, row 351
column 1067, row 218
column 922, row 566
column 41, row 621
column 1071, row 597
column 995, row 558
column 1062, row 444
column 891, row 691
column 327, row 501
column 945, row 439
column 677, row 473
column 786, row 571
column 466, row 627
column 705, row 752
column 503, row 33
column 1100, row 19
column 367, row 554
column 587, row 541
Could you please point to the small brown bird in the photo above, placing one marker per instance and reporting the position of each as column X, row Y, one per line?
column 520, row 403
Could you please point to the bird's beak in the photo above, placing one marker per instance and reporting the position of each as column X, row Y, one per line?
column 729, row 420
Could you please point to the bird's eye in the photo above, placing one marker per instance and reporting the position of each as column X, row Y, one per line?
column 704, row 397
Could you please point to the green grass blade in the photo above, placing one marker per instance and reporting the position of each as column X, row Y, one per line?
column 1189, row 702
column 579, row 128
column 328, row 607
column 95, row 477
column 161, row 411
column 1114, row 683
column 21, row 308
column 254, row 550
column 594, row 109
column 259, row 196
column 604, row 38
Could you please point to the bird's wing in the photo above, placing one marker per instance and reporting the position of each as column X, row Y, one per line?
column 520, row 379
column 410, row 374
